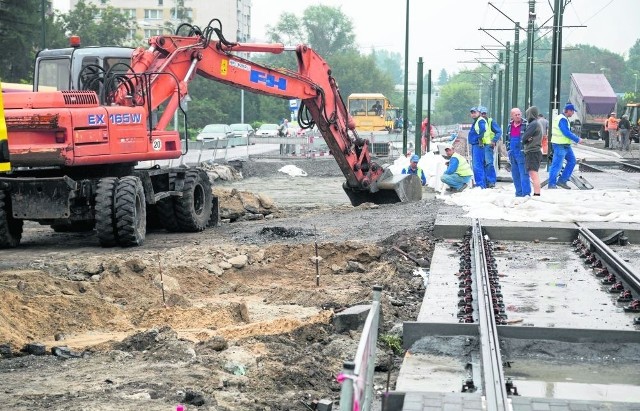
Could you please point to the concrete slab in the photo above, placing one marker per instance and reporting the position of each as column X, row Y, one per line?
column 353, row 318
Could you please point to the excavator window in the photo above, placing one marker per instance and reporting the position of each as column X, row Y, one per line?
column 54, row 73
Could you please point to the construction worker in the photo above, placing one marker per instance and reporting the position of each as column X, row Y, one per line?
column 475, row 139
column 561, row 139
column 513, row 143
column 612, row 128
column 490, row 139
column 414, row 169
column 458, row 173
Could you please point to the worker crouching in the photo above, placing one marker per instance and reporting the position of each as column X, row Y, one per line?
column 458, row 173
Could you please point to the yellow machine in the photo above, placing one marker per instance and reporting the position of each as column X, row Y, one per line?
column 372, row 112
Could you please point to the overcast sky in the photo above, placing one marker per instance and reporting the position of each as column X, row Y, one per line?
column 438, row 27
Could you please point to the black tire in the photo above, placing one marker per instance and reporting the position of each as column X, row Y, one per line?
column 130, row 212
column 105, row 211
column 10, row 228
column 193, row 209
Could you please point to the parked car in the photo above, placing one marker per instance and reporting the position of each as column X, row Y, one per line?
column 242, row 130
column 215, row 132
column 267, row 130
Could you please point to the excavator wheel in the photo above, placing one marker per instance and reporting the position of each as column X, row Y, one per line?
column 10, row 228
column 193, row 209
column 105, row 211
column 130, row 212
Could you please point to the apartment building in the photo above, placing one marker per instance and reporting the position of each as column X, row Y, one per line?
column 153, row 16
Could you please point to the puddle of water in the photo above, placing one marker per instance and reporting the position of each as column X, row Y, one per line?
column 576, row 381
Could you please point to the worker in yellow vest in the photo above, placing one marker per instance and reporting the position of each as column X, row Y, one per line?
column 561, row 139
column 458, row 173
column 492, row 135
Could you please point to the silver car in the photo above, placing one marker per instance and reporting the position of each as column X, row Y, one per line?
column 215, row 132
column 267, row 130
column 242, row 130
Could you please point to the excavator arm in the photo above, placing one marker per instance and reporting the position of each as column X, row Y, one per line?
column 171, row 62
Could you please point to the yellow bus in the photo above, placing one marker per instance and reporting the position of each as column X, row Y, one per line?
column 372, row 112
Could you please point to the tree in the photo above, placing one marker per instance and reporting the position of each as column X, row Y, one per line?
column 20, row 28
column 328, row 30
column 389, row 62
column 443, row 78
column 453, row 104
column 356, row 73
column 288, row 30
column 96, row 26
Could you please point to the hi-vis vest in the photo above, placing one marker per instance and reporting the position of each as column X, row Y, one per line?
column 464, row 169
column 612, row 123
column 4, row 144
column 476, row 127
column 489, row 134
column 556, row 135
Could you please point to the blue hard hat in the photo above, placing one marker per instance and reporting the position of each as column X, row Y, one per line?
column 482, row 109
column 473, row 109
column 415, row 158
column 569, row 106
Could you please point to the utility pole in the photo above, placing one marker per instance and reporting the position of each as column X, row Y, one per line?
column 405, row 106
column 556, row 61
column 499, row 109
column 419, row 87
column 528, row 93
column 507, row 104
column 516, row 58
column 428, row 130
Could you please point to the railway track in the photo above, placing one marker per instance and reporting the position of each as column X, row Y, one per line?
column 530, row 313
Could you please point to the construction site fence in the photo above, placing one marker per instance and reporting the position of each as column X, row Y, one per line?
column 311, row 145
column 356, row 391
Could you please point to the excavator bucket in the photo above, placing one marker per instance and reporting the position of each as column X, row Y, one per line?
column 388, row 189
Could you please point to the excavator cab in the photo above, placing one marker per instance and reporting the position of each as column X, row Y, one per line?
column 75, row 68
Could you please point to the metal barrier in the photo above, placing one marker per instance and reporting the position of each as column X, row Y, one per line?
column 356, row 393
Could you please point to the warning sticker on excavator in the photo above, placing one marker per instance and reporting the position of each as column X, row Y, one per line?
column 241, row 66
column 224, row 67
column 5, row 165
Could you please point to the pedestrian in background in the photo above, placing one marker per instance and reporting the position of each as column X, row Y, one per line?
column 283, row 131
column 624, row 129
column 458, row 173
column 612, row 127
column 561, row 139
column 476, row 134
column 414, row 169
column 513, row 144
column 492, row 135
column 532, row 140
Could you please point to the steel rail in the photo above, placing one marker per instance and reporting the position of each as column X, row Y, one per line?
column 494, row 384
column 629, row 168
column 614, row 262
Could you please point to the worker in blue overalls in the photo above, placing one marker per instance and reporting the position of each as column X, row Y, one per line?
column 476, row 134
column 414, row 169
column 491, row 138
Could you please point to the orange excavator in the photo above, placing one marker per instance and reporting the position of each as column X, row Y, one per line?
column 73, row 153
